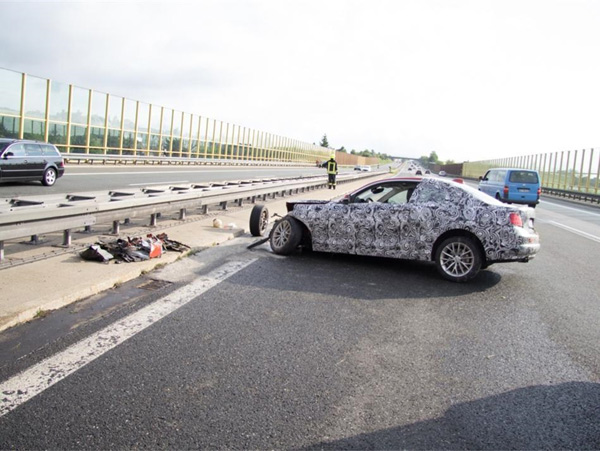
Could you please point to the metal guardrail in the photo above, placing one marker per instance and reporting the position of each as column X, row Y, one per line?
column 79, row 158
column 37, row 215
column 575, row 195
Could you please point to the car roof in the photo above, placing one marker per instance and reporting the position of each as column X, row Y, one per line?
column 512, row 169
column 15, row 140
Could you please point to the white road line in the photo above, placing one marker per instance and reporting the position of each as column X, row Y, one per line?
column 571, row 208
column 576, row 231
column 158, row 183
column 29, row 383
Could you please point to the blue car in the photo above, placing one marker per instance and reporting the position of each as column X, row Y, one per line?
column 511, row 185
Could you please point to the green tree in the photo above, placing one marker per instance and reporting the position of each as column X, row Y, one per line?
column 324, row 142
column 342, row 149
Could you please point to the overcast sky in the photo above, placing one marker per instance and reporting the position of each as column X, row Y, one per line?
column 470, row 80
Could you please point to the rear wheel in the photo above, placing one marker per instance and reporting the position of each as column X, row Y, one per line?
column 458, row 259
column 285, row 236
column 259, row 220
column 49, row 177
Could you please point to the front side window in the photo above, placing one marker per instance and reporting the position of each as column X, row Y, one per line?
column 396, row 193
column 17, row 150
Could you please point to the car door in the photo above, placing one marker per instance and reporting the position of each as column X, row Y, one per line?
column 427, row 216
column 14, row 162
column 377, row 217
column 486, row 182
column 35, row 161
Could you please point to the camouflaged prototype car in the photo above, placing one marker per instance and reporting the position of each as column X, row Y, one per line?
column 459, row 228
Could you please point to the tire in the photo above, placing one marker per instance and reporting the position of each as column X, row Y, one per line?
column 285, row 236
column 259, row 220
column 458, row 259
column 49, row 177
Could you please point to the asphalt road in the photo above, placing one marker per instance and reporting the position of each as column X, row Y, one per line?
column 104, row 178
column 329, row 352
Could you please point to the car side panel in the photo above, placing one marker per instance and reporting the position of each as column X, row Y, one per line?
column 410, row 231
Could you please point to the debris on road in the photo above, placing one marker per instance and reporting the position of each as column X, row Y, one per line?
column 132, row 249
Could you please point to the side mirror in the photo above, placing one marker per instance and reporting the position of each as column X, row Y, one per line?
column 480, row 178
column 8, row 154
column 345, row 200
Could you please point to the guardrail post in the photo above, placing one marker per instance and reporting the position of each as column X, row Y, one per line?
column 115, row 228
column 153, row 218
column 240, row 202
column 34, row 239
column 1, row 250
column 224, row 205
column 182, row 214
column 204, row 209
column 67, row 238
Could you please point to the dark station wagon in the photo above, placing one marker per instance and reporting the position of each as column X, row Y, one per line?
column 457, row 227
column 23, row 160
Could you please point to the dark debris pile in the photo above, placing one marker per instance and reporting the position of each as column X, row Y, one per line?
column 132, row 249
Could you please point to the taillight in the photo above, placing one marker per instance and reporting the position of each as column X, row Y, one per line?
column 515, row 219
column 505, row 191
column 539, row 192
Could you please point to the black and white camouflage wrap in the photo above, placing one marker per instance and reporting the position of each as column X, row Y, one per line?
column 409, row 231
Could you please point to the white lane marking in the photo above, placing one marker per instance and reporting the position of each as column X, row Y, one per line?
column 158, row 183
column 570, row 208
column 576, row 231
column 29, row 383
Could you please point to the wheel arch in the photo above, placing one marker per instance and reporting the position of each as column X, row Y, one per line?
column 459, row 232
column 306, row 240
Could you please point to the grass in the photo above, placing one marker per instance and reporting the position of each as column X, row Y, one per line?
column 41, row 313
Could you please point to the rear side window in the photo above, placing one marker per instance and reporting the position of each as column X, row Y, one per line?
column 33, row 150
column 523, row 177
column 50, row 150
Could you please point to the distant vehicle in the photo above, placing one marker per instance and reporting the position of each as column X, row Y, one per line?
column 442, row 173
column 365, row 168
column 429, row 219
column 512, row 185
column 427, row 171
column 24, row 160
column 418, row 172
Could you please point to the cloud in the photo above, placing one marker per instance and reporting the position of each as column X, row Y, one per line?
column 468, row 79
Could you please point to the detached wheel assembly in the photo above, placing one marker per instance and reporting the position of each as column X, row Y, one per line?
column 259, row 220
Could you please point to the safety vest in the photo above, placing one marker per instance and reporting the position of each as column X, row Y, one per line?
column 331, row 167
